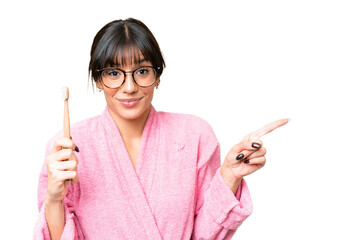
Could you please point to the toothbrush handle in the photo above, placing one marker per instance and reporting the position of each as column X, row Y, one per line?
column 66, row 119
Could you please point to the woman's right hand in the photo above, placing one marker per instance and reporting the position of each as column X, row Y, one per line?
column 61, row 169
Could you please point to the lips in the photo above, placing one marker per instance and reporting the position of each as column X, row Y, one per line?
column 129, row 102
column 129, row 99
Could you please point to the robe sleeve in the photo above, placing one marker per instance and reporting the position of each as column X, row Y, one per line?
column 218, row 211
column 72, row 229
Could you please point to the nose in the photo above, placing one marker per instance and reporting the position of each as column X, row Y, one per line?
column 129, row 85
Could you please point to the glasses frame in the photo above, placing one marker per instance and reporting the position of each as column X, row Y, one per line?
column 132, row 74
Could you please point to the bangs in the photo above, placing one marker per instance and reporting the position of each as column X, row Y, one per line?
column 125, row 56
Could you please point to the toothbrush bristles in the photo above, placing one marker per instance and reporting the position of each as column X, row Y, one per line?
column 65, row 93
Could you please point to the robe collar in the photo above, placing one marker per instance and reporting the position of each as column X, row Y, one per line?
column 139, row 180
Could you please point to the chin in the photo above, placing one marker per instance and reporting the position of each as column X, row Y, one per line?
column 130, row 113
column 130, row 116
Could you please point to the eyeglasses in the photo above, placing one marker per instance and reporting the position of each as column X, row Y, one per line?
column 115, row 77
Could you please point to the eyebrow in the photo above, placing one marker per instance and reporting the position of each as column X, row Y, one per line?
column 141, row 61
column 137, row 64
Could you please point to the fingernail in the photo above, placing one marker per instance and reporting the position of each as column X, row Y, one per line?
column 256, row 145
column 246, row 161
column 240, row 156
column 76, row 149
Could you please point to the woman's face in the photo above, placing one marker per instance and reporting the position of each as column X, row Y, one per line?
column 129, row 101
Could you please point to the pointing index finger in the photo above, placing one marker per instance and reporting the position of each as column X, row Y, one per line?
column 269, row 128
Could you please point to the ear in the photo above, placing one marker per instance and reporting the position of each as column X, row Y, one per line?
column 157, row 83
column 99, row 85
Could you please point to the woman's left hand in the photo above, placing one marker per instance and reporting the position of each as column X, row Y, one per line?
column 247, row 156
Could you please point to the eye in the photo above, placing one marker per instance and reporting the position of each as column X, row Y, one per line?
column 142, row 71
column 112, row 73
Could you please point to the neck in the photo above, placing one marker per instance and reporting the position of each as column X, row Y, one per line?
column 132, row 129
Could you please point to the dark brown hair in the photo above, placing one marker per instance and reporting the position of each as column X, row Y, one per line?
column 121, row 42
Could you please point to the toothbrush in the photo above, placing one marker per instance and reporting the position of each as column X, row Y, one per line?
column 65, row 95
column 66, row 126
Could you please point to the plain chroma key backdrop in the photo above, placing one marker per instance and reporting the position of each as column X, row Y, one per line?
column 237, row 64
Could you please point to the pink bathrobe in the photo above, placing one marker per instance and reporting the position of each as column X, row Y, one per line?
column 175, row 192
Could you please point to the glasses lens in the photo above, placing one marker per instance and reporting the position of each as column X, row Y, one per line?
column 112, row 78
column 145, row 76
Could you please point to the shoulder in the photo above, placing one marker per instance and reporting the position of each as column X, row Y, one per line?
column 86, row 126
column 186, row 123
column 80, row 130
column 184, row 120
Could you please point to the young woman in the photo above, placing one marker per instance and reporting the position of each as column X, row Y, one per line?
column 135, row 173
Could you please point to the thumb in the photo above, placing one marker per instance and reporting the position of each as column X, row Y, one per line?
column 67, row 184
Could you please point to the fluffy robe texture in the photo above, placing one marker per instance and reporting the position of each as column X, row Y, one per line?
column 175, row 192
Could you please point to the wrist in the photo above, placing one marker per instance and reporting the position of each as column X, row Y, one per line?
column 52, row 201
column 232, row 182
